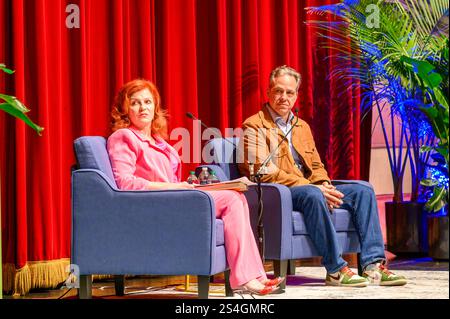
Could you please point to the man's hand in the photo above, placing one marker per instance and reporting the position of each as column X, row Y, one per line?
column 332, row 195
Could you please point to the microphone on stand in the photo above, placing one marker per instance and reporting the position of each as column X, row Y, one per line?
column 257, row 177
column 271, row 154
column 192, row 117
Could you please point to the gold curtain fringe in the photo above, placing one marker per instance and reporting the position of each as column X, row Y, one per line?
column 8, row 277
column 35, row 274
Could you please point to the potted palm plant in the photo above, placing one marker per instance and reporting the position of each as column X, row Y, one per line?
column 371, row 41
column 14, row 107
column 434, row 82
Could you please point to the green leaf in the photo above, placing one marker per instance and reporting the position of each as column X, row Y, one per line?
column 428, row 182
column 16, row 108
column 12, row 110
column 425, row 71
column 424, row 149
column 437, row 206
column 441, row 98
column 432, row 112
column 5, row 69
column 434, row 79
column 438, row 200
column 423, row 67
column 442, row 151
column 14, row 102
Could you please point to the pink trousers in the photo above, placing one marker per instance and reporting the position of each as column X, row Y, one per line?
column 240, row 245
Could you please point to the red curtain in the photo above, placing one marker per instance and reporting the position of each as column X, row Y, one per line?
column 208, row 57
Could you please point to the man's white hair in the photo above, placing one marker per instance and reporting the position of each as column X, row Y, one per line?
column 283, row 70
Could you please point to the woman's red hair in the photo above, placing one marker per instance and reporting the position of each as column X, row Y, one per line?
column 119, row 112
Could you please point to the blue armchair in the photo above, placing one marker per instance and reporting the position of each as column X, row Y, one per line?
column 170, row 232
column 286, row 238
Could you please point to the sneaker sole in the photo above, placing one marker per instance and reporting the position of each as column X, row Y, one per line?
column 338, row 284
column 400, row 282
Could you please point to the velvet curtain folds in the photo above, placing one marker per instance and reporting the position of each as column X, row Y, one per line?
column 208, row 57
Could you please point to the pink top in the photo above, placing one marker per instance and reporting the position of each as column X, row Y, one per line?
column 135, row 161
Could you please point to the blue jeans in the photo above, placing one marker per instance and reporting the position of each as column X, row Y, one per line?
column 360, row 201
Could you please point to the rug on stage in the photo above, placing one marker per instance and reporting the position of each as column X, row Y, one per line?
column 308, row 283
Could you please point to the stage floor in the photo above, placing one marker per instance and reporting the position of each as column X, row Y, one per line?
column 428, row 279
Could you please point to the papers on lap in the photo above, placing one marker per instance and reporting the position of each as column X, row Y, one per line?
column 239, row 184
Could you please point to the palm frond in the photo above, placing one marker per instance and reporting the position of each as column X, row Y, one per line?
column 426, row 14
column 336, row 9
column 441, row 27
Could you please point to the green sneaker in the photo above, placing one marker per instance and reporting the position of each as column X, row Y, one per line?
column 378, row 274
column 345, row 278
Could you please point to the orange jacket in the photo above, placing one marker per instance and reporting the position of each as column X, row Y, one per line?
column 262, row 135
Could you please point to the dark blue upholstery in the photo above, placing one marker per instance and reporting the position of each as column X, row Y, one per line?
column 91, row 153
column 286, row 237
column 170, row 232
column 224, row 156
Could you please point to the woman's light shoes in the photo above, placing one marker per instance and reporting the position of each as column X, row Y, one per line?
column 271, row 286
column 274, row 282
column 259, row 292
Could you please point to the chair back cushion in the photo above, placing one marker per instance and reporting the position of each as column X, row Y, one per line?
column 223, row 151
column 91, row 153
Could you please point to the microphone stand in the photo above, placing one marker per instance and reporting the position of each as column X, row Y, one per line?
column 260, row 227
column 259, row 191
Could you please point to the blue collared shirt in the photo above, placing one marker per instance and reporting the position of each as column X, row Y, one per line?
column 285, row 127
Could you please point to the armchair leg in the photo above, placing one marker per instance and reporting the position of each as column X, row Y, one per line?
column 280, row 270
column 119, row 285
column 291, row 267
column 203, row 287
column 360, row 270
column 228, row 291
column 85, row 290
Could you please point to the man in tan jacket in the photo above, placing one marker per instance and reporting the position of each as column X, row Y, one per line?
column 296, row 163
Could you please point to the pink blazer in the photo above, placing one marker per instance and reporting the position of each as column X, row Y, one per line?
column 135, row 161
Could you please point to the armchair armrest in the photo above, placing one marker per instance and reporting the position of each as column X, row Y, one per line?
column 166, row 232
column 277, row 220
column 351, row 181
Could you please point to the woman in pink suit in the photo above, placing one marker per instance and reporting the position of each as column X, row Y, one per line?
column 142, row 159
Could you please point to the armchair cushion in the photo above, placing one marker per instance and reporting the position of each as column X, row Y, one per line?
column 220, row 238
column 224, row 153
column 90, row 152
